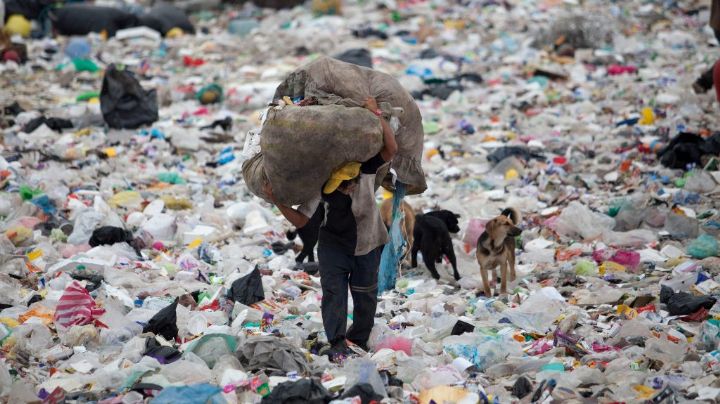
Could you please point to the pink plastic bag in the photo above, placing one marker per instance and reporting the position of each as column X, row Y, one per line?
column 396, row 344
column 474, row 229
column 630, row 259
column 614, row 70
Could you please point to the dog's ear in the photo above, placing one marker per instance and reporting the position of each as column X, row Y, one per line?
column 489, row 226
column 457, row 215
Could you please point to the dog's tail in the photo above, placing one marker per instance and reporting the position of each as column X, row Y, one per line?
column 513, row 214
column 291, row 234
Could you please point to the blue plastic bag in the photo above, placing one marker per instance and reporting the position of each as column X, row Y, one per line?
column 193, row 394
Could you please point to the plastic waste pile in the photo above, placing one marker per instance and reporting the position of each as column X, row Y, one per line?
column 136, row 264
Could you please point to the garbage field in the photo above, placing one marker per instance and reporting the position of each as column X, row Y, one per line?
column 142, row 261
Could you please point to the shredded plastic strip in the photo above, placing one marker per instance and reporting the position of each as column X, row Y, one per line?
column 392, row 253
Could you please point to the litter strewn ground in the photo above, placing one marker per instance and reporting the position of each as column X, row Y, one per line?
column 135, row 262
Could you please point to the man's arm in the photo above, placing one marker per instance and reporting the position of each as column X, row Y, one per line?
column 390, row 146
column 293, row 216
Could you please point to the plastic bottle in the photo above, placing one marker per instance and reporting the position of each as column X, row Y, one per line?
column 226, row 156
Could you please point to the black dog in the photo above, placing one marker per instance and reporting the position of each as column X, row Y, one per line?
column 309, row 235
column 689, row 148
column 449, row 218
column 432, row 238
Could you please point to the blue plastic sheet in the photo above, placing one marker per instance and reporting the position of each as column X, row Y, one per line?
column 193, row 394
column 393, row 251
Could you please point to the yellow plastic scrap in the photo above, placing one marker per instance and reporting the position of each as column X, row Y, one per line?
column 126, row 199
column 83, row 132
column 511, row 174
column 673, row 262
column 35, row 254
column 431, row 153
column 454, row 24
column 610, row 266
column 9, row 322
column 175, row 33
column 644, row 392
column 18, row 25
column 647, row 116
column 195, row 243
column 18, row 234
column 627, row 311
column 173, row 203
column 326, row 7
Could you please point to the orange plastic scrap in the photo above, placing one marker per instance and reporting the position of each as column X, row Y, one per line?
column 41, row 312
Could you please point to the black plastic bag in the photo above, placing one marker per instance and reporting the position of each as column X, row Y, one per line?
column 461, row 328
column 92, row 281
column 109, row 235
column 81, row 19
column 501, row 153
column 683, row 303
column 164, row 322
column 310, row 268
column 364, row 391
column 163, row 354
column 124, row 103
column 248, row 289
column 164, row 17
column 56, row 124
column 29, row 9
column 278, row 4
column 300, row 392
column 360, row 57
column 522, row 387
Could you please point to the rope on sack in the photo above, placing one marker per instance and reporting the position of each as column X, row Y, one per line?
column 393, row 251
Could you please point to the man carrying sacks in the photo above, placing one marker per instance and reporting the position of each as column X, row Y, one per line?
column 350, row 242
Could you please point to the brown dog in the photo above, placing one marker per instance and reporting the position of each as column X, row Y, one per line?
column 408, row 224
column 496, row 247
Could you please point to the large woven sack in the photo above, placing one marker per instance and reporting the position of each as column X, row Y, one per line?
column 253, row 171
column 331, row 81
column 301, row 146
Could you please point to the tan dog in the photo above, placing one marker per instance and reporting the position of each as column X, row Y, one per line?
column 408, row 221
column 496, row 247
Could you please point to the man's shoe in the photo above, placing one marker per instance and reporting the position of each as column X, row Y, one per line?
column 361, row 345
column 338, row 352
